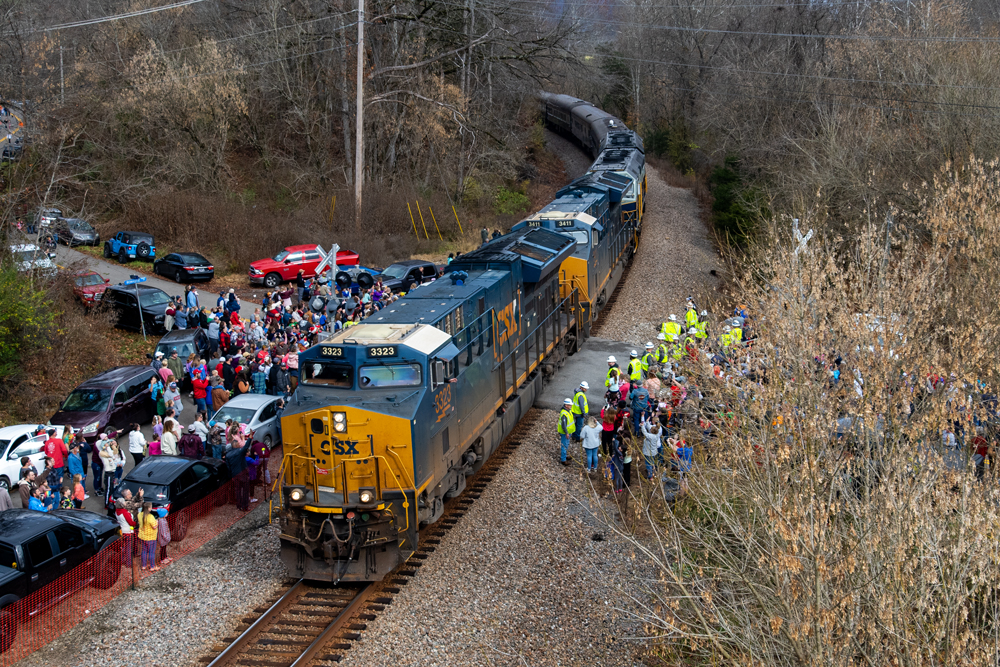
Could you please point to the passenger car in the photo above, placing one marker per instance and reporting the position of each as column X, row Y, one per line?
column 258, row 411
column 74, row 231
column 285, row 266
column 398, row 276
column 29, row 258
column 186, row 342
column 46, row 216
column 89, row 287
column 130, row 245
column 109, row 401
column 38, row 548
column 183, row 266
column 173, row 482
column 152, row 301
column 15, row 442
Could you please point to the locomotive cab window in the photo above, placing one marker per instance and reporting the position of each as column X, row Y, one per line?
column 327, row 374
column 390, row 375
column 581, row 236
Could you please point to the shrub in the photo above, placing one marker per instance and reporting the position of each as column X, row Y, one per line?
column 735, row 207
column 673, row 142
column 510, row 202
column 26, row 320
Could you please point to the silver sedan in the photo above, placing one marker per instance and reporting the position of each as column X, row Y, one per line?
column 258, row 411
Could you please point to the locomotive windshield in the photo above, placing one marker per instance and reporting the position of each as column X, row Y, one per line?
column 390, row 375
column 327, row 374
column 582, row 237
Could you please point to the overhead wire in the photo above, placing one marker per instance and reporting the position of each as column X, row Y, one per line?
column 116, row 17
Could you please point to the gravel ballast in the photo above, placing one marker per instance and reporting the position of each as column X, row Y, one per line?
column 520, row 579
column 179, row 613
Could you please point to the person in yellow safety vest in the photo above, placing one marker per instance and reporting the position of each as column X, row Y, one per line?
column 566, row 426
column 702, row 326
column 648, row 358
column 580, row 408
column 676, row 348
column 691, row 317
column 736, row 333
column 612, row 367
column 634, row 367
column 726, row 339
column 671, row 327
column 662, row 354
column 690, row 342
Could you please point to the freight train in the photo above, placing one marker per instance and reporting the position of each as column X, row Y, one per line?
column 393, row 415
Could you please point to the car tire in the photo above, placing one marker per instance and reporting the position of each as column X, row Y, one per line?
column 272, row 280
column 143, row 251
column 107, row 251
column 107, row 569
column 4, row 483
column 268, row 441
column 111, row 432
column 8, row 629
column 179, row 529
column 122, row 256
column 177, row 276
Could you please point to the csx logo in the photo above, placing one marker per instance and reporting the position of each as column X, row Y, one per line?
column 507, row 322
column 340, row 447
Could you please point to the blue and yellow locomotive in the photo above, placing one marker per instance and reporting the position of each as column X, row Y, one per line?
column 392, row 415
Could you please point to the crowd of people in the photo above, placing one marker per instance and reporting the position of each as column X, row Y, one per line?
column 649, row 402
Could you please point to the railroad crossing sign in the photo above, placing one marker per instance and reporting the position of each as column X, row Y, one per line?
column 330, row 259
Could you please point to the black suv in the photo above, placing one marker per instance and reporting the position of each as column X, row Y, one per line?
column 38, row 548
column 173, row 482
column 154, row 302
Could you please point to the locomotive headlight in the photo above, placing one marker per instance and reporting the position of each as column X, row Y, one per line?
column 366, row 496
column 297, row 495
column 340, row 422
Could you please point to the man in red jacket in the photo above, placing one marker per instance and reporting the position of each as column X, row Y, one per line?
column 56, row 450
column 200, row 385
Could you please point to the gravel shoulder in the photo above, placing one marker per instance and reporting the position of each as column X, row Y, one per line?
column 520, row 579
column 179, row 613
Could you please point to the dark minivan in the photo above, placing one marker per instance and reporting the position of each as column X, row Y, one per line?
column 109, row 402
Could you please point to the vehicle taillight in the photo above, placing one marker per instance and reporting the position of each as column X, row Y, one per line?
column 189, row 268
column 210, row 268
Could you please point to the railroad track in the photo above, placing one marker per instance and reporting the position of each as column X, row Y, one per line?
column 314, row 622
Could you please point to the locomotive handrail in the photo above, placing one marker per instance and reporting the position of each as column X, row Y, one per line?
column 555, row 311
column 274, row 487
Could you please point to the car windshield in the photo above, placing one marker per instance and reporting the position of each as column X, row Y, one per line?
column 280, row 257
column 582, row 237
column 89, row 281
column 151, row 299
column 27, row 256
column 330, row 375
column 87, row 400
column 239, row 415
column 390, row 375
column 394, row 272
column 79, row 225
column 154, row 493
column 184, row 350
column 4, row 444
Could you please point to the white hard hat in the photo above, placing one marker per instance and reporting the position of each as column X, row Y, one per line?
column 584, row 385
column 612, row 360
column 649, row 346
column 673, row 318
column 692, row 330
column 725, row 328
column 660, row 336
column 633, row 353
column 704, row 313
column 567, row 401
column 672, row 338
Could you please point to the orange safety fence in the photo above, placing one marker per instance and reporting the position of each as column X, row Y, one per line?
column 32, row 622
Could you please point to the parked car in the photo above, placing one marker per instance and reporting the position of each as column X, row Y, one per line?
column 130, row 245
column 108, row 402
column 398, row 276
column 173, row 482
column 258, row 411
column 29, row 258
column 38, row 548
column 74, row 231
column 184, row 266
column 45, row 217
column 89, row 287
column 15, row 442
column 286, row 264
column 186, row 342
column 127, row 302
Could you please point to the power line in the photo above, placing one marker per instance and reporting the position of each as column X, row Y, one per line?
column 117, row 17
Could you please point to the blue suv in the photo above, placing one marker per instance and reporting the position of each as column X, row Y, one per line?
column 130, row 245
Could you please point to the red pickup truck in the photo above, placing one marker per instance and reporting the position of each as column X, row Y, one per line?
column 285, row 266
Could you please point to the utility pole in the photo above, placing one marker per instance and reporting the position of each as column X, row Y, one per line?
column 62, row 78
column 359, row 136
